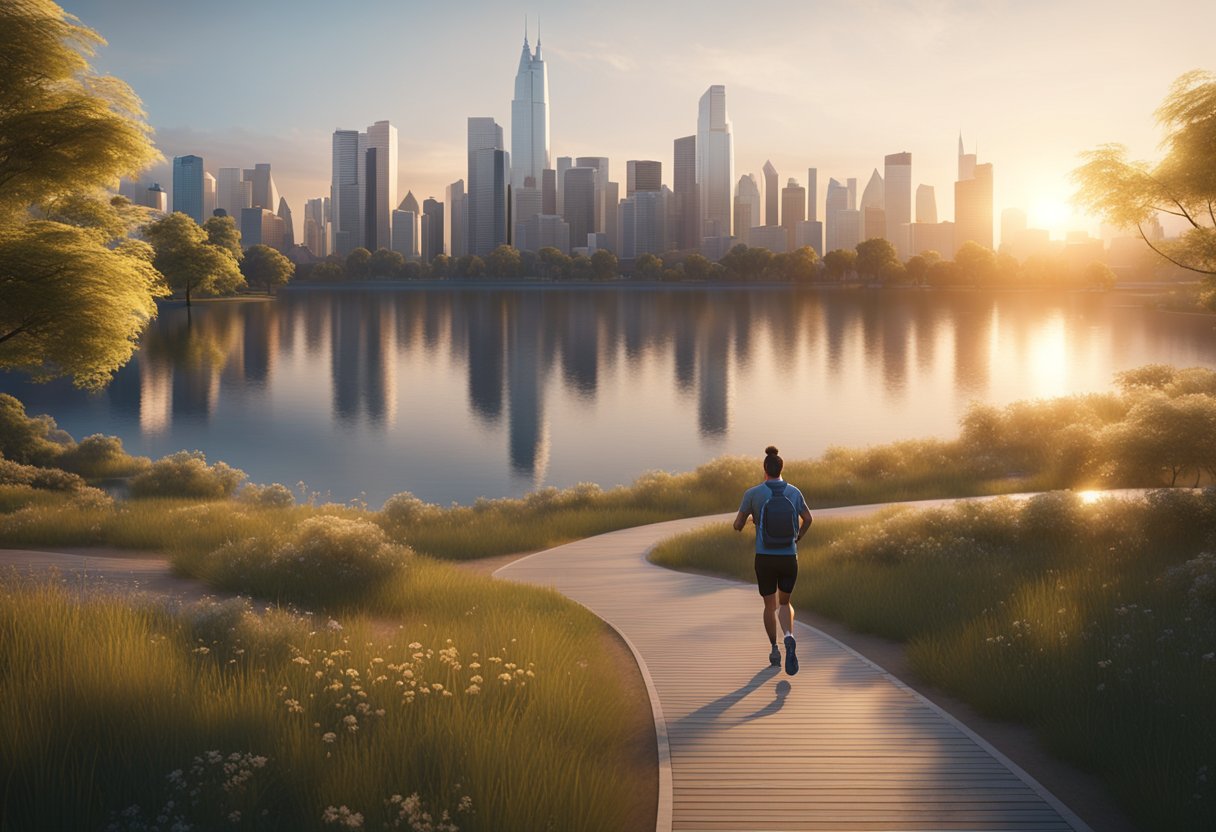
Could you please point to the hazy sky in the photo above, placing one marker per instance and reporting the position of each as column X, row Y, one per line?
column 835, row 86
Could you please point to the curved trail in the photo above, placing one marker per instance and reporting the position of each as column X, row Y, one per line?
column 841, row 746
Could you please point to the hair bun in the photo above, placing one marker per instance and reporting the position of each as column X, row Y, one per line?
column 771, row 450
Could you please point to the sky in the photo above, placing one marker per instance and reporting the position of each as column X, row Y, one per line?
column 1030, row 84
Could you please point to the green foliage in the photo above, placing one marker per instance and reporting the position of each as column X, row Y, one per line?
column 504, row 261
column 32, row 440
column 468, row 265
column 221, row 710
column 324, row 560
column 223, row 233
column 798, row 266
column 1129, row 193
column 275, row 495
column 747, row 263
column 603, row 265
column 877, row 260
column 327, row 272
column 976, row 263
column 47, row 479
column 99, row 457
column 917, row 269
column 190, row 263
column 384, row 264
column 552, row 263
column 647, row 267
column 358, row 264
column 265, row 268
column 440, row 266
column 840, row 263
column 187, row 474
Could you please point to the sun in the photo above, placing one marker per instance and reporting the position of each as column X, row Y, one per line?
column 1053, row 213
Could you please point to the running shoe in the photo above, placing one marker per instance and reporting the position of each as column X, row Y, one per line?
column 791, row 658
column 774, row 658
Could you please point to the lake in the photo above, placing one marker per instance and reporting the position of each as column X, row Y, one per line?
column 458, row 393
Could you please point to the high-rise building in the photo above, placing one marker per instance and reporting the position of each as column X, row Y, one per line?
column 836, row 204
column 715, row 163
column 793, row 210
column 643, row 175
column 264, row 192
column 926, row 204
column 771, row 195
column 529, row 202
column 408, row 220
column 188, row 186
column 897, row 186
column 579, row 202
column 771, row 237
column 530, row 118
column 852, row 184
column 455, row 241
column 316, row 226
column 600, row 164
column 233, row 192
column 747, row 207
column 966, row 162
column 382, row 138
column 260, row 226
column 649, row 223
column 973, row 206
column 873, row 208
column 209, row 196
column 812, row 194
column 346, row 191
column 545, row 231
column 564, row 163
column 933, row 236
column 432, row 235
column 155, row 198
column 548, row 192
column 489, row 181
column 684, row 189
column 289, row 229
column 809, row 233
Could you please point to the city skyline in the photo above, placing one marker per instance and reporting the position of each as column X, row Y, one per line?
column 793, row 107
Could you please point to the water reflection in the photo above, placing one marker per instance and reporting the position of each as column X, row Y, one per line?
column 462, row 393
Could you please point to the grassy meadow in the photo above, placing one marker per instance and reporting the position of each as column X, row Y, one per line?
column 1093, row 623
column 490, row 703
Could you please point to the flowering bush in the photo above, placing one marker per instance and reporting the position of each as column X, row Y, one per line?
column 275, row 495
column 187, row 474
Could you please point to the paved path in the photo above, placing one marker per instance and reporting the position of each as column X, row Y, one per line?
column 95, row 570
column 841, row 746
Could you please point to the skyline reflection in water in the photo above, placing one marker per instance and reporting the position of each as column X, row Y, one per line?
column 456, row 394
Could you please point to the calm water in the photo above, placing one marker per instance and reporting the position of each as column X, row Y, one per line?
column 456, row 394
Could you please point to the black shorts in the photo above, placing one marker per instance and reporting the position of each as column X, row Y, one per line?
column 775, row 572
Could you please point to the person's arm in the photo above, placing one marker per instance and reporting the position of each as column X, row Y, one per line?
column 806, row 522
column 741, row 519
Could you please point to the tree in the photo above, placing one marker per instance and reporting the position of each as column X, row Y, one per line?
column 356, row 265
column 799, row 266
column 222, row 233
column 440, row 266
column 580, row 267
column 503, row 261
column 876, row 259
column 976, row 263
column 917, row 269
column 1099, row 275
column 944, row 273
column 696, row 267
column 648, row 267
column 840, row 263
column 267, row 268
column 747, row 262
column 189, row 263
column 1129, row 193
column 469, row 265
column 553, row 263
column 74, row 293
column 603, row 264
column 385, row 263
column 326, row 272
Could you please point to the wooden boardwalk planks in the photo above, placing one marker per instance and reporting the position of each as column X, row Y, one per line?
column 841, row 746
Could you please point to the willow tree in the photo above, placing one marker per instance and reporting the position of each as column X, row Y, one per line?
column 75, row 293
column 1130, row 193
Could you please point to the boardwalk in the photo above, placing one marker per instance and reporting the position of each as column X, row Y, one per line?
column 841, row 746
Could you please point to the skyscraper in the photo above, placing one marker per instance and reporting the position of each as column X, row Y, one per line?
column 432, row 237
column 289, row 229
column 489, row 181
column 579, row 202
column 897, row 170
column 209, row 196
column 973, row 208
column 793, row 210
column 684, row 188
column 264, row 194
column 715, row 163
column 873, row 208
column 233, row 192
column 600, row 164
column 812, row 194
column 454, row 238
column 530, row 118
column 836, row 204
column 771, row 195
column 346, row 191
column 643, row 175
column 926, row 204
column 316, row 222
column 747, row 207
column 966, row 162
column 188, row 186
column 407, row 220
column 382, row 138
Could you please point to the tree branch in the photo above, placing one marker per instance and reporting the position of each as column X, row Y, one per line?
column 1167, row 257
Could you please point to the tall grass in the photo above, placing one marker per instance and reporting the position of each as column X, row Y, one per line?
column 1096, row 624
column 492, row 697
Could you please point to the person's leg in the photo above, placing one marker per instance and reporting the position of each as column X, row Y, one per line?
column 785, row 612
column 770, row 616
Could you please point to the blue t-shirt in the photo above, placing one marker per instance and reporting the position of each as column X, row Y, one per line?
column 755, row 498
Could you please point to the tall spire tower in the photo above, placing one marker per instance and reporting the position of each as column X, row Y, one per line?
column 530, row 117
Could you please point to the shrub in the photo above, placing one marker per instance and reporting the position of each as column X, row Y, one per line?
column 275, row 495
column 98, row 457
column 187, row 474
column 46, row 479
column 324, row 560
column 403, row 510
column 33, row 440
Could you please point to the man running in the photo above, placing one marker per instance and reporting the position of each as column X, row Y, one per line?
column 776, row 507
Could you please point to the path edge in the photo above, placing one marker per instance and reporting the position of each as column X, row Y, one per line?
column 663, row 816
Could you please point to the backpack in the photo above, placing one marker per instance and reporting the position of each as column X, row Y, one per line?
column 778, row 520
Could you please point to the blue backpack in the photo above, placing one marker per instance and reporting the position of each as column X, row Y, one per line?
column 778, row 519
